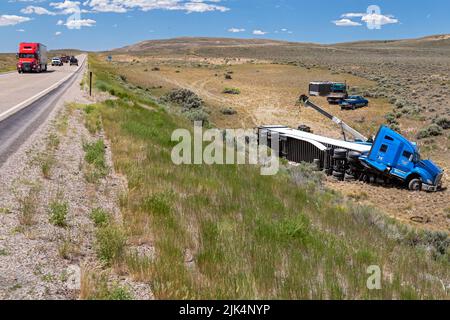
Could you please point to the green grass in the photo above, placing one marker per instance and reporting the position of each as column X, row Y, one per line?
column 58, row 211
column 231, row 91
column 96, row 168
column 92, row 119
column 251, row 236
column 110, row 244
column 100, row 217
column 95, row 286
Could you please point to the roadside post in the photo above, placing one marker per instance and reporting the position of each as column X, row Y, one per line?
column 90, row 83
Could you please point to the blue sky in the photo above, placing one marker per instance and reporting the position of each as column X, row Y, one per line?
column 107, row 24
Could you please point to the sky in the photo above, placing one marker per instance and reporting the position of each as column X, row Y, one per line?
column 107, row 24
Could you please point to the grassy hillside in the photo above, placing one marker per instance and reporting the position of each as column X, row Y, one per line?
column 227, row 232
column 7, row 62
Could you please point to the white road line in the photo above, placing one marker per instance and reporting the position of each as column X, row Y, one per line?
column 27, row 102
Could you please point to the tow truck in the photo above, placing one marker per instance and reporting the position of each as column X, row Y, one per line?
column 387, row 159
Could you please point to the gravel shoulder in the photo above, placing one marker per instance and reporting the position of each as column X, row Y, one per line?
column 39, row 260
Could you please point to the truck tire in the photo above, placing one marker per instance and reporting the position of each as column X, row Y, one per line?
column 338, row 175
column 353, row 156
column 340, row 154
column 349, row 177
column 415, row 184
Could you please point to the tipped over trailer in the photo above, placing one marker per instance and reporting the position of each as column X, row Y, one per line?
column 390, row 159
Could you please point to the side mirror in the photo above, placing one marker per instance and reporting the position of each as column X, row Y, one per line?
column 17, row 56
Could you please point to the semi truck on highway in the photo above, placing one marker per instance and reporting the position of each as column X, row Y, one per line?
column 32, row 57
column 388, row 159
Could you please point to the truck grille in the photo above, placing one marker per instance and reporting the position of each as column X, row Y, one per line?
column 438, row 179
column 26, row 66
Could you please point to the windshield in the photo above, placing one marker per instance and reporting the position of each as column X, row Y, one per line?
column 27, row 55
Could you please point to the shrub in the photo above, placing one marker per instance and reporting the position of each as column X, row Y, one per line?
column 100, row 217
column 432, row 130
column 184, row 97
column 391, row 118
column 395, row 127
column 58, row 213
column 228, row 111
column 28, row 206
column 95, row 152
column 400, row 104
column 197, row 115
column 228, row 77
column 442, row 122
column 231, row 91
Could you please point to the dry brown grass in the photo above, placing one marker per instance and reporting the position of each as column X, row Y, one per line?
column 7, row 62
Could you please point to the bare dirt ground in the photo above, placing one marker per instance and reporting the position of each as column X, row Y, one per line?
column 408, row 78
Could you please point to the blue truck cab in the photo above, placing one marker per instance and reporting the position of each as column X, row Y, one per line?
column 396, row 157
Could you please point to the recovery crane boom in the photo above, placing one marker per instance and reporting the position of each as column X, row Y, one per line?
column 344, row 127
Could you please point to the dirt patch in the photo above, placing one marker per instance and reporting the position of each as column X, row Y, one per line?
column 420, row 209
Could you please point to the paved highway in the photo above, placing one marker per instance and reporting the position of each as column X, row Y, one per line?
column 26, row 100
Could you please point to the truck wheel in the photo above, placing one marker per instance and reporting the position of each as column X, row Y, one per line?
column 353, row 156
column 338, row 175
column 349, row 177
column 415, row 185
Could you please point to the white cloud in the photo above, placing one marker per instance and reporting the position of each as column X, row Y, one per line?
column 236, row 30
column 259, row 32
column 60, row 23
column 346, row 23
column 378, row 19
column 12, row 20
column 67, row 7
column 122, row 6
column 58, row 33
column 77, row 24
column 353, row 15
column 373, row 20
column 37, row 10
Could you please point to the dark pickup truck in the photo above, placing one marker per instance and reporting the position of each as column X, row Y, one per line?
column 73, row 61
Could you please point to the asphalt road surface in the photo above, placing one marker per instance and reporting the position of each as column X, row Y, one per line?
column 26, row 100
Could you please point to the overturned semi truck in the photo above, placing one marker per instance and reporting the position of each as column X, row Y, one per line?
column 389, row 159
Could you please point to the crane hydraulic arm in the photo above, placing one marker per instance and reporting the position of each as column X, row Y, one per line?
column 345, row 127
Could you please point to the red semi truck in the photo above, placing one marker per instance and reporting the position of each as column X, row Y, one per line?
column 32, row 57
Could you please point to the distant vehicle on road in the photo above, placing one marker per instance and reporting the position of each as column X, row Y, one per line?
column 65, row 59
column 56, row 62
column 73, row 61
column 32, row 57
column 353, row 102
